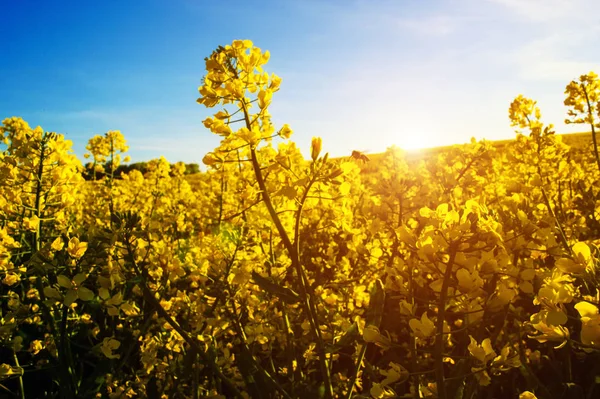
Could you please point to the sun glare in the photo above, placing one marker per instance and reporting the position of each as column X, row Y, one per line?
column 415, row 142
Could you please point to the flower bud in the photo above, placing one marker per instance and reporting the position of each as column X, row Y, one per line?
column 285, row 131
column 315, row 147
column 209, row 159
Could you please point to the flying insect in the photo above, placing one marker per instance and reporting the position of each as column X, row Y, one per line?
column 360, row 156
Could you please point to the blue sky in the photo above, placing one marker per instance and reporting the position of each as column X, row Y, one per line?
column 361, row 74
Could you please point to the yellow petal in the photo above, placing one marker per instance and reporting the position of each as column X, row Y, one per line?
column 57, row 244
column 556, row 318
column 586, row 309
column 371, row 333
column 582, row 252
column 527, row 395
column 568, row 266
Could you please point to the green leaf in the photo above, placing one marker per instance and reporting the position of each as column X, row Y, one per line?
column 301, row 182
column 228, row 232
column 103, row 293
column 85, row 294
column 287, row 191
column 376, row 304
column 79, row 278
column 251, row 375
column 287, row 295
column 346, row 340
column 50, row 292
column 70, row 297
column 64, row 281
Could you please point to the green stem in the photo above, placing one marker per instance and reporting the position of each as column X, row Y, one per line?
column 21, row 386
column 149, row 296
column 38, row 195
column 361, row 356
column 294, row 256
column 563, row 236
column 65, row 360
column 268, row 378
column 591, row 115
column 65, row 378
column 438, row 354
column 413, row 342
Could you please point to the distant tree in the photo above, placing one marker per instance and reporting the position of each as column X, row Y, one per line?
column 191, row 168
column 91, row 172
column 142, row 167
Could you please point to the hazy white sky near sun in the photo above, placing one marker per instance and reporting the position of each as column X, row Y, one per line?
column 361, row 74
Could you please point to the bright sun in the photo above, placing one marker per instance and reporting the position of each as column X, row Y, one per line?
column 415, row 141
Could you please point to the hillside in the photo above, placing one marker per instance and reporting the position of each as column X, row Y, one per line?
column 576, row 140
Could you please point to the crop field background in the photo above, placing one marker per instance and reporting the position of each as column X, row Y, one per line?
column 467, row 271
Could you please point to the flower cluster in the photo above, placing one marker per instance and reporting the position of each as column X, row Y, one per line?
column 472, row 271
